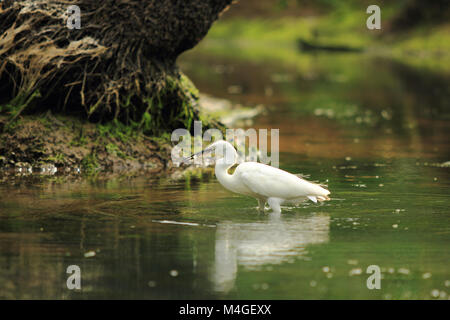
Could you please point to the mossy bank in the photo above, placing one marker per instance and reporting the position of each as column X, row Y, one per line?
column 49, row 141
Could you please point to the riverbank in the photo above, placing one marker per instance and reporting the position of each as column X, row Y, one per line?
column 48, row 143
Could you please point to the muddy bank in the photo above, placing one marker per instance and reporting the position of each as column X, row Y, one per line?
column 47, row 142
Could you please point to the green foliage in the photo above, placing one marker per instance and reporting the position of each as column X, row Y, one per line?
column 423, row 46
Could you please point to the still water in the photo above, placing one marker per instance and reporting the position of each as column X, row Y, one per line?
column 375, row 131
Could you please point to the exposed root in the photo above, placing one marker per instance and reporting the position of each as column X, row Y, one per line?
column 119, row 65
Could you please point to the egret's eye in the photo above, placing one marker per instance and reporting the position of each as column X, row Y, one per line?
column 208, row 150
column 220, row 152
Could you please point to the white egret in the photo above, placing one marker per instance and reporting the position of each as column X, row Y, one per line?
column 263, row 182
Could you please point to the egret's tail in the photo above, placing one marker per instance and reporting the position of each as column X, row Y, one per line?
column 323, row 198
column 316, row 198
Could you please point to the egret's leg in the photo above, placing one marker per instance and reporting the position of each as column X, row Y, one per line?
column 275, row 203
column 261, row 204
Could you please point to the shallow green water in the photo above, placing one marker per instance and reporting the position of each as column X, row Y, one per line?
column 375, row 131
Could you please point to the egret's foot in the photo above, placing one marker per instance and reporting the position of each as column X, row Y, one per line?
column 274, row 216
column 275, row 204
column 261, row 205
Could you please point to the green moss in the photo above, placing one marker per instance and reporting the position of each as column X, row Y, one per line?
column 172, row 106
column 188, row 87
column 113, row 149
column 58, row 158
column 17, row 105
column 80, row 140
column 119, row 130
column 90, row 163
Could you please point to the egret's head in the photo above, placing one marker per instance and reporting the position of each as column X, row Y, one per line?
column 221, row 149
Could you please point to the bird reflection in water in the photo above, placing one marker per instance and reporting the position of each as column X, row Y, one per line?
column 255, row 244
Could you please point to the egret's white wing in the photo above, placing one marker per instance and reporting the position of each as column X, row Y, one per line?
column 268, row 181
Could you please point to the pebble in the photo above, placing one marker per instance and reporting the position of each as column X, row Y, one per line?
column 234, row 89
column 435, row 293
column 89, row 254
column 426, row 275
column 403, row 271
column 356, row 271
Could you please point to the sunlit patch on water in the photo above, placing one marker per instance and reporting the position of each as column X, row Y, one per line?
column 192, row 224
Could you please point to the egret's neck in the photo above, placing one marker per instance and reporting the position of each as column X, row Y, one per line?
column 221, row 171
column 222, row 166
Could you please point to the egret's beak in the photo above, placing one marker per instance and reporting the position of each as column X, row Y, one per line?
column 188, row 159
